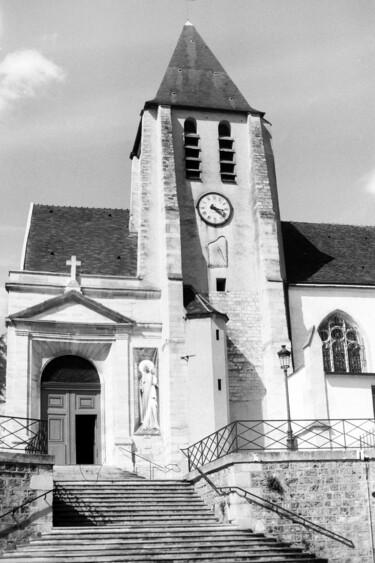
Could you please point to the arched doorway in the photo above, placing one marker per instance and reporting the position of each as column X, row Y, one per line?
column 71, row 404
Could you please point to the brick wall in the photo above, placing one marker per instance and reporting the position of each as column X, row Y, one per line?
column 332, row 489
column 24, row 476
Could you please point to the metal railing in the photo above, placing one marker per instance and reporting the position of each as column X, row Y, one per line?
column 257, row 435
column 367, row 440
column 152, row 465
column 285, row 513
column 23, row 434
column 280, row 510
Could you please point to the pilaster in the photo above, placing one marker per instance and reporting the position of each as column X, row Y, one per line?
column 270, row 283
column 17, row 390
column 176, row 404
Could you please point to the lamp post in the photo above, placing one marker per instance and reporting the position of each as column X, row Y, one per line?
column 284, row 357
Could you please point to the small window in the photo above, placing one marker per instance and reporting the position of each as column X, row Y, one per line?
column 192, row 150
column 217, row 334
column 226, row 153
column 220, row 284
column 219, row 384
column 343, row 351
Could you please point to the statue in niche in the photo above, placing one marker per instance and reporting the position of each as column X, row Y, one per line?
column 218, row 253
column 148, row 400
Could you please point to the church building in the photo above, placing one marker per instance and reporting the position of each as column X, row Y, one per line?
column 147, row 329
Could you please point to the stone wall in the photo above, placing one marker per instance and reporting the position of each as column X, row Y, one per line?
column 332, row 489
column 22, row 477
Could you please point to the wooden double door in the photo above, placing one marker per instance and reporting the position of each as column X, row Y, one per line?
column 73, row 415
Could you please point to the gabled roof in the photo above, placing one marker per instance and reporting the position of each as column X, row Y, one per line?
column 195, row 78
column 329, row 253
column 99, row 238
column 70, row 297
column 199, row 307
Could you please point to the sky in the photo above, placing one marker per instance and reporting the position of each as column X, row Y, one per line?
column 74, row 76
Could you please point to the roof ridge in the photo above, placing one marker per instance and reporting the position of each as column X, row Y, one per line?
column 80, row 207
column 327, row 224
column 206, row 304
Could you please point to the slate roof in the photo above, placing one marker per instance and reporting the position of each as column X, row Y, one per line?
column 200, row 307
column 195, row 78
column 329, row 253
column 99, row 238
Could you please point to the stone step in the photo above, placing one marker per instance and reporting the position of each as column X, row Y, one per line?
column 91, row 472
column 144, row 521
column 128, row 497
column 170, row 558
column 129, row 482
column 154, row 543
column 144, row 510
column 163, row 521
column 124, row 500
column 171, row 548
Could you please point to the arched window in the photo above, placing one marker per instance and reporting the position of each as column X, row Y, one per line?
column 226, row 153
column 343, row 351
column 192, row 150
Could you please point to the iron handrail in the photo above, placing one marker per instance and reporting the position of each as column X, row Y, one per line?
column 285, row 513
column 258, row 435
column 164, row 468
column 28, row 501
column 280, row 510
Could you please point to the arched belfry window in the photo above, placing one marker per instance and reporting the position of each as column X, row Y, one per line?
column 343, row 350
column 226, row 153
column 192, row 150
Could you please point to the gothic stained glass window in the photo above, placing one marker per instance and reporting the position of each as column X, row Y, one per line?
column 342, row 348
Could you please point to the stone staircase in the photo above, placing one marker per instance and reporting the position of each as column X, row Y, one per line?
column 136, row 520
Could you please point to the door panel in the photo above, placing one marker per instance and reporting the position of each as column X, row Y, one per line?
column 57, row 438
column 73, row 424
column 55, row 409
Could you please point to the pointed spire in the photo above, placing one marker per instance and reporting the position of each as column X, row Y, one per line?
column 195, row 78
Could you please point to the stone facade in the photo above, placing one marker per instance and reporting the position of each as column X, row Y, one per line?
column 24, row 477
column 332, row 489
column 139, row 299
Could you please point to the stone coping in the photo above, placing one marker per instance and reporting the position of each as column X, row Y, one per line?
column 281, row 456
column 26, row 459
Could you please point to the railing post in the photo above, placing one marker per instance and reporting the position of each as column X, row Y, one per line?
column 236, row 431
column 343, row 425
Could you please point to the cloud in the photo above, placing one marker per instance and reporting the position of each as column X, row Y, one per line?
column 367, row 182
column 25, row 74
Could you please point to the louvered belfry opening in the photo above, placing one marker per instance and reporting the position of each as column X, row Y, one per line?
column 227, row 153
column 192, row 150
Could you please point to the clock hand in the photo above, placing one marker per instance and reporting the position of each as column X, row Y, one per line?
column 220, row 211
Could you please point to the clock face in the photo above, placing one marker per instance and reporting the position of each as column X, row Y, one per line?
column 215, row 209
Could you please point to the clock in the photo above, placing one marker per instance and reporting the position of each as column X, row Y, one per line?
column 214, row 209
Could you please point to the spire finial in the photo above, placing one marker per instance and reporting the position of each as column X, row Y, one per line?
column 187, row 2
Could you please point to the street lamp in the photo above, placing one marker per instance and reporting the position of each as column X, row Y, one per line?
column 284, row 357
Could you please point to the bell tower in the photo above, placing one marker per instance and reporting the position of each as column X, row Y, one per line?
column 204, row 204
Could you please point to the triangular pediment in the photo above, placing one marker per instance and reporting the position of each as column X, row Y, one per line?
column 71, row 307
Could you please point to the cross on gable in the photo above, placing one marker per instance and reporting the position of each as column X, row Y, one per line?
column 73, row 263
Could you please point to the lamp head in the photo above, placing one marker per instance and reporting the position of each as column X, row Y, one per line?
column 284, row 357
